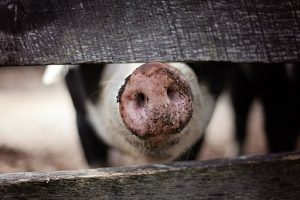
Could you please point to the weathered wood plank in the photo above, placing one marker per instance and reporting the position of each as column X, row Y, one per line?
column 265, row 177
column 76, row 31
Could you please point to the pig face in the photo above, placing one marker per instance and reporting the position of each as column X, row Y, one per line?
column 154, row 111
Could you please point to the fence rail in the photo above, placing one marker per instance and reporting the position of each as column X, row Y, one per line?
column 78, row 31
column 264, row 177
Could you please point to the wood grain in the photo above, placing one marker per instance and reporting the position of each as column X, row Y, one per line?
column 264, row 177
column 79, row 31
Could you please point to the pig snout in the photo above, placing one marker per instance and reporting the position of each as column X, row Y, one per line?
column 155, row 100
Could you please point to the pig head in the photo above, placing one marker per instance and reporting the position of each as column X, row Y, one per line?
column 154, row 112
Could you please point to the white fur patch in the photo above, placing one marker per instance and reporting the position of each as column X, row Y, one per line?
column 55, row 73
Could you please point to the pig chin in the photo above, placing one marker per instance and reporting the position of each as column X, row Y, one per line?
column 158, row 148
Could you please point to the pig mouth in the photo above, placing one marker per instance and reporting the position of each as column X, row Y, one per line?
column 156, row 147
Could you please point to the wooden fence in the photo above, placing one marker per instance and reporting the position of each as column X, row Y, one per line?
column 265, row 177
column 79, row 31
column 90, row 31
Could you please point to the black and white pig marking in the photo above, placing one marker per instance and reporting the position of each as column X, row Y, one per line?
column 97, row 91
column 170, row 133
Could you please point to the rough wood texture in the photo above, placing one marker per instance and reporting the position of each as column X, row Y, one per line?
column 266, row 177
column 76, row 31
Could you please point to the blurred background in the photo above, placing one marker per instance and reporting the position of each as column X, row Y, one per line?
column 38, row 130
column 37, row 123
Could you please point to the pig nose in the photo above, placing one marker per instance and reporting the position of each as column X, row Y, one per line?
column 155, row 100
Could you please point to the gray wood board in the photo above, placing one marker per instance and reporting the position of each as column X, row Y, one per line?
column 78, row 31
column 263, row 177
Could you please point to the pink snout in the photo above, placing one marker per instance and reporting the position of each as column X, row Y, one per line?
column 155, row 100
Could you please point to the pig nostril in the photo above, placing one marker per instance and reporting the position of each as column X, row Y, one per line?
column 140, row 99
column 172, row 93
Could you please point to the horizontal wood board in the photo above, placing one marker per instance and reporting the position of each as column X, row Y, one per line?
column 263, row 177
column 79, row 31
